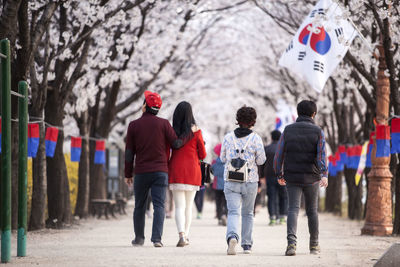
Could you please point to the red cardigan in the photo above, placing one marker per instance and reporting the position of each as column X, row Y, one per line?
column 184, row 165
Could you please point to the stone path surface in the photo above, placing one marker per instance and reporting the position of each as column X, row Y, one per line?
column 107, row 243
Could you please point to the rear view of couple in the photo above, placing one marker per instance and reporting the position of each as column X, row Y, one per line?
column 301, row 153
column 148, row 144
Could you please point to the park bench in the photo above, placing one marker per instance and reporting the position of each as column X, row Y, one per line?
column 121, row 204
column 103, row 206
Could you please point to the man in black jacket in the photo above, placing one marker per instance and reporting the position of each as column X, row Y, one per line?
column 301, row 151
column 277, row 194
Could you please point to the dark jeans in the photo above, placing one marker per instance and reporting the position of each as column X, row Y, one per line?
column 220, row 203
column 277, row 200
column 199, row 199
column 148, row 205
column 157, row 182
column 311, row 200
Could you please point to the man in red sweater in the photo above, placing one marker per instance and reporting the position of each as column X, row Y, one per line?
column 148, row 141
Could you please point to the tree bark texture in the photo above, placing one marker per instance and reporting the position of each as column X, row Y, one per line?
column 97, row 177
column 355, row 208
column 8, row 21
column 333, row 200
column 59, row 206
column 82, row 203
column 39, row 185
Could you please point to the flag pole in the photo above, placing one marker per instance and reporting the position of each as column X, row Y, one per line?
column 361, row 35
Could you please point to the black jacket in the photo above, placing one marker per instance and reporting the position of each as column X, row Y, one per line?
column 300, row 151
column 268, row 169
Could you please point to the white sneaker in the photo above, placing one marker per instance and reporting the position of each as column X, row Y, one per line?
column 231, row 246
column 247, row 249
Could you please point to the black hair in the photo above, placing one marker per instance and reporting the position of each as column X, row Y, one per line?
column 183, row 120
column 150, row 110
column 275, row 135
column 246, row 117
column 306, row 108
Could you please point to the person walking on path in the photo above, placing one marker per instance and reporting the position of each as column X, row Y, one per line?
column 217, row 168
column 199, row 201
column 277, row 194
column 184, row 168
column 241, row 145
column 301, row 151
column 148, row 143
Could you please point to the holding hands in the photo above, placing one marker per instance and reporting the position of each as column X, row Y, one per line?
column 129, row 181
column 323, row 182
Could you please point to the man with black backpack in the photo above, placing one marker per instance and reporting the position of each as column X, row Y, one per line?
column 301, row 151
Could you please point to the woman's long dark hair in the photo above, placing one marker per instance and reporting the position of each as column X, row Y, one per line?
column 183, row 120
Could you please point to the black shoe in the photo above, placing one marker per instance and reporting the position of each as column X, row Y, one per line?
column 290, row 250
column 137, row 242
column 158, row 244
column 223, row 220
column 181, row 242
column 315, row 250
column 246, row 249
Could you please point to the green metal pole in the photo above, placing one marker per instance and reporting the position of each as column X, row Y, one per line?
column 5, row 152
column 22, row 167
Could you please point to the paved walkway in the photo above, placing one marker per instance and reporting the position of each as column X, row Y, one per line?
column 107, row 243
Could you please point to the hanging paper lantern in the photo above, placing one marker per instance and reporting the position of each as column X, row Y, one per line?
column 339, row 163
column 395, row 135
column 76, row 149
column 343, row 155
column 33, row 139
column 382, row 141
column 100, row 154
column 332, row 166
column 353, row 156
column 51, row 141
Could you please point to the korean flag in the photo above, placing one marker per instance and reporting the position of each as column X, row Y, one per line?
column 320, row 44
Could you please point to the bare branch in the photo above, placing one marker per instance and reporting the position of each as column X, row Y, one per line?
column 225, row 7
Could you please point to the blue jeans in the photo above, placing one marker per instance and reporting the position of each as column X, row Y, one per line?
column 311, row 201
column 240, row 196
column 157, row 182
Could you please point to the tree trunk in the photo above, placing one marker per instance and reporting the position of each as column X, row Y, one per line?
column 328, row 194
column 38, row 207
column 8, row 21
column 354, row 195
column 100, row 129
column 97, row 178
column 333, row 201
column 82, row 203
column 59, row 205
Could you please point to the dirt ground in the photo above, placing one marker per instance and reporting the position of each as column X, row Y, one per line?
column 104, row 242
